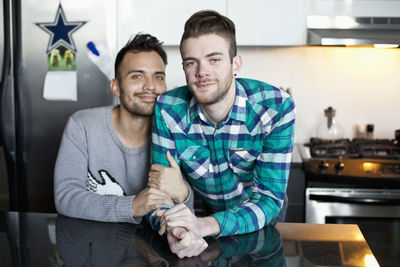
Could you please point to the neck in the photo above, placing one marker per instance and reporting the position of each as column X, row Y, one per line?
column 133, row 131
column 218, row 111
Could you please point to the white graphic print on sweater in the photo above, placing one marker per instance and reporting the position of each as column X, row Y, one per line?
column 108, row 186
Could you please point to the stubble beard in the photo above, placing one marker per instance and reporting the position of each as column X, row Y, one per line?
column 216, row 96
column 136, row 109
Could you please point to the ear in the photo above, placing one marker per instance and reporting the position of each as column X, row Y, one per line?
column 236, row 64
column 114, row 86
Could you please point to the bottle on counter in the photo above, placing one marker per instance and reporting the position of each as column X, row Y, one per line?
column 329, row 128
column 364, row 131
column 369, row 131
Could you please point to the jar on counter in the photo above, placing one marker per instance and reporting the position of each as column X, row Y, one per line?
column 329, row 128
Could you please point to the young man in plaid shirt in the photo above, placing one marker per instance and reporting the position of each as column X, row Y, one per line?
column 232, row 138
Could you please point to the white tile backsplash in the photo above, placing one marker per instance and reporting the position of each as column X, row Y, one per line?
column 362, row 84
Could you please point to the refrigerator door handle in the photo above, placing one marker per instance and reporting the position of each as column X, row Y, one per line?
column 6, row 70
column 20, row 122
column 7, row 112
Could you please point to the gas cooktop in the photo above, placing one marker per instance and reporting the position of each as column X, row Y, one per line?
column 356, row 148
column 363, row 158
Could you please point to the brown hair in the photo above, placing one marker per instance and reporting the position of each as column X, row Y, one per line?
column 211, row 22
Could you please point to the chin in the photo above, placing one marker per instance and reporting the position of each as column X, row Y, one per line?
column 205, row 97
column 142, row 114
column 204, row 101
column 141, row 111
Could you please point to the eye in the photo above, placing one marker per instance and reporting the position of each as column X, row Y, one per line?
column 136, row 76
column 189, row 63
column 215, row 60
column 160, row 77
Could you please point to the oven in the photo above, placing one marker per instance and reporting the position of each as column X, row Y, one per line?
column 357, row 182
column 331, row 205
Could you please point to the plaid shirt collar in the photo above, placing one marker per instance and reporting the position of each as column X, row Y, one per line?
column 237, row 112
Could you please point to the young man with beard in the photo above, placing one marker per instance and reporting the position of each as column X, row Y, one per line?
column 233, row 138
column 103, row 163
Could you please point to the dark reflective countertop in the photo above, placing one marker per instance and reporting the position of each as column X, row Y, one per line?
column 38, row 239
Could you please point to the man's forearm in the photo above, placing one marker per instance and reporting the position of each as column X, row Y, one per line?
column 209, row 226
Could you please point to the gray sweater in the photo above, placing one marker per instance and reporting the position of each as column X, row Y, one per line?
column 96, row 177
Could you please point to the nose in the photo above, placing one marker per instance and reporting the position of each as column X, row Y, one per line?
column 149, row 84
column 202, row 70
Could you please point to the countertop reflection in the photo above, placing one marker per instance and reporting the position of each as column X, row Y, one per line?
column 33, row 239
column 88, row 243
column 325, row 245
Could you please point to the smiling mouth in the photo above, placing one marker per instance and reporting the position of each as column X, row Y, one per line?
column 204, row 85
column 148, row 97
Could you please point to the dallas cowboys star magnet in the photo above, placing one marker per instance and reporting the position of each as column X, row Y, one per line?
column 61, row 31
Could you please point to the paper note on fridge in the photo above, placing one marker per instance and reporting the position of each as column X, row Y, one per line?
column 60, row 85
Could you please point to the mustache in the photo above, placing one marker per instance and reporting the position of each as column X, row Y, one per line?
column 203, row 81
column 146, row 93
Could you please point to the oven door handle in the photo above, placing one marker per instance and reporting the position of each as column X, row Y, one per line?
column 355, row 200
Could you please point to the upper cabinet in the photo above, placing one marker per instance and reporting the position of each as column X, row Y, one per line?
column 164, row 19
column 258, row 22
column 268, row 22
column 354, row 8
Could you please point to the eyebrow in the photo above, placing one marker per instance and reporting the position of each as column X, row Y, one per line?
column 142, row 71
column 208, row 55
column 214, row 54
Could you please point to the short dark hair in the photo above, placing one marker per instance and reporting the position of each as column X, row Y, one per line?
column 211, row 22
column 140, row 43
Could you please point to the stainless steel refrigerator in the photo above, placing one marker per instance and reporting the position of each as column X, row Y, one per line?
column 31, row 126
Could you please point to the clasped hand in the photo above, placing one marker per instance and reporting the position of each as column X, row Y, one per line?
column 182, row 227
column 183, row 231
column 168, row 180
column 165, row 184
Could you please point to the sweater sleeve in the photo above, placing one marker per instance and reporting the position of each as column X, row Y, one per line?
column 189, row 201
column 72, row 179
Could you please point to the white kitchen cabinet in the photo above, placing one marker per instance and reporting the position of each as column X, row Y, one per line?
column 258, row 22
column 268, row 22
column 164, row 19
column 354, row 8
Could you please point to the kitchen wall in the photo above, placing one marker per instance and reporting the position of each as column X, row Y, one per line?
column 362, row 84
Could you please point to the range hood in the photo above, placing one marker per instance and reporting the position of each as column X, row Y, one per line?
column 353, row 31
column 353, row 22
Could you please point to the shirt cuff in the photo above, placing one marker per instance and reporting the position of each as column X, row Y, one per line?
column 153, row 219
column 223, row 221
column 124, row 210
column 189, row 201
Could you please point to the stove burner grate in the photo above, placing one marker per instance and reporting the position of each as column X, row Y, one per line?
column 357, row 148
